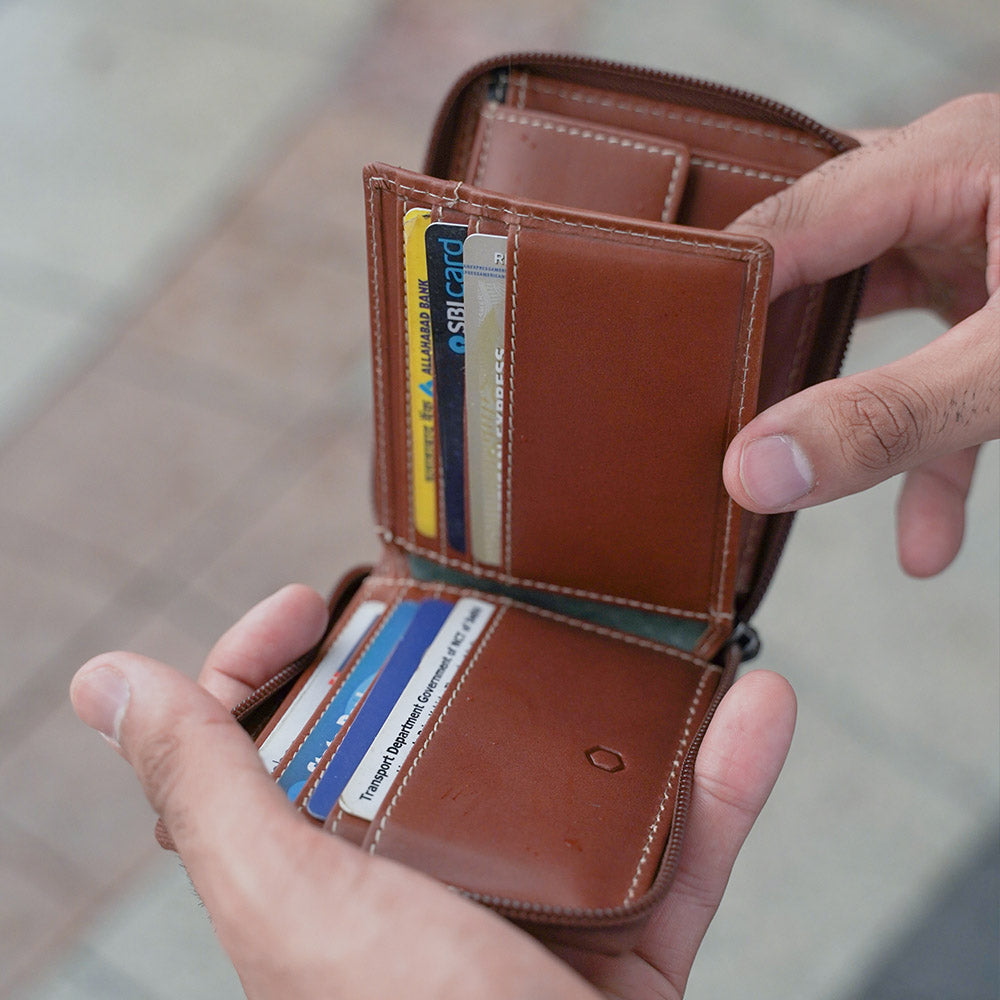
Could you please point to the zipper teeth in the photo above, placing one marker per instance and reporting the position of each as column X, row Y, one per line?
column 791, row 117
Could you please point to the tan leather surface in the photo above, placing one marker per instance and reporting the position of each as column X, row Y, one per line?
column 569, row 161
column 618, row 334
column 545, row 778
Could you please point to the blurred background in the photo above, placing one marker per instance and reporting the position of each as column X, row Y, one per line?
column 184, row 427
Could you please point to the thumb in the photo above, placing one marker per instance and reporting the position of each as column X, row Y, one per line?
column 845, row 435
column 201, row 772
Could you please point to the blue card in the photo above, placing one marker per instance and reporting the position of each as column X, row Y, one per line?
column 294, row 777
column 444, row 244
column 381, row 700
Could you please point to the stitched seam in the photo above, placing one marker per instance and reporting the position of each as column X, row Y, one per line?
column 330, row 695
column 411, row 499
column 380, row 415
column 484, row 149
column 503, row 214
column 751, row 326
column 509, row 402
column 512, row 602
column 437, row 722
column 669, row 199
column 735, row 168
column 583, row 132
column 675, row 767
column 554, row 588
column 522, row 90
column 689, row 119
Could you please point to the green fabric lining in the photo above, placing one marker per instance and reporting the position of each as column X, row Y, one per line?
column 681, row 633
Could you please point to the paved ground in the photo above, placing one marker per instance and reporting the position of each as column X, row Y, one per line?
column 185, row 426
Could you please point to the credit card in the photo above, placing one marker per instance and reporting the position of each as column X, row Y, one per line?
column 310, row 696
column 420, row 354
column 444, row 243
column 357, row 682
column 485, row 271
column 389, row 749
column 381, row 698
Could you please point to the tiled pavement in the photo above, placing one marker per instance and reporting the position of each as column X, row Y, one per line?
column 184, row 408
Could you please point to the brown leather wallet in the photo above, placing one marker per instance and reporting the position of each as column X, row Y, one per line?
column 552, row 780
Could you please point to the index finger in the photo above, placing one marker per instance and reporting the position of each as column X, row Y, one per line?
column 931, row 182
column 270, row 635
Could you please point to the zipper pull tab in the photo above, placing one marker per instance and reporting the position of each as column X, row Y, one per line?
column 745, row 636
column 497, row 89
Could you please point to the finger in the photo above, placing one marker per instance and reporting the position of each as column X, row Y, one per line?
column 274, row 633
column 201, row 773
column 736, row 768
column 738, row 763
column 930, row 182
column 930, row 516
column 848, row 434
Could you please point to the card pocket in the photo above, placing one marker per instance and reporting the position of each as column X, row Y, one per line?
column 549, row 779
column 631, row 359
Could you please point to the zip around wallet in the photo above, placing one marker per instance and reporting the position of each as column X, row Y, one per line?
column 512, row 699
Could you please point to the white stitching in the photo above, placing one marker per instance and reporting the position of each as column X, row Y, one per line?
column 678, row 757
column 512, row 602
column 668, row 201
column 751, row 326
column 506, row 214
column 411, row 498
column 381, row 418
column 690, row 119
column 484, row 149
column 509, row 402
column 437, row 722
column 582, row 132
column 501, row 577
column 735, row 168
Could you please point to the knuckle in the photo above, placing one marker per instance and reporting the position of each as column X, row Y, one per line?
column 882, row 423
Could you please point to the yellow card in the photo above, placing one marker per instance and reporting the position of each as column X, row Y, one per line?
column 420, row 349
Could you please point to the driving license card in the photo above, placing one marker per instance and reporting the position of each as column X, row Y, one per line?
column 389, row 749
column 378, row 703
column 447, row 296
column 336, row 713
column 420, row 356
column 485, row 272
column 312, row 693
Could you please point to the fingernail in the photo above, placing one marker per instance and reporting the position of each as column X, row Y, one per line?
column 775, row 472
column 100, row 697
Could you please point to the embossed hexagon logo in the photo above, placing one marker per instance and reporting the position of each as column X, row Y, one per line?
column 606, row 759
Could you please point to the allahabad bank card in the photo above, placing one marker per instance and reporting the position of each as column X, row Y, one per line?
column 420, row 360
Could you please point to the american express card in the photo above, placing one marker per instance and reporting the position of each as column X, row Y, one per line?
column 485, row 271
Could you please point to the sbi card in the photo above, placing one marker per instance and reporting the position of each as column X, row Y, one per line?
column 446, row 285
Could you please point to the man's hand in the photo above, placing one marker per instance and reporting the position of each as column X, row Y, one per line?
column 923, row 203
column 302, row 913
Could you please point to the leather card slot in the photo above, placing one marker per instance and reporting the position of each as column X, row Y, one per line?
column 611, row 491
column 770, row 146
column 571, row 162
column 551, row 771
column 612, row 487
